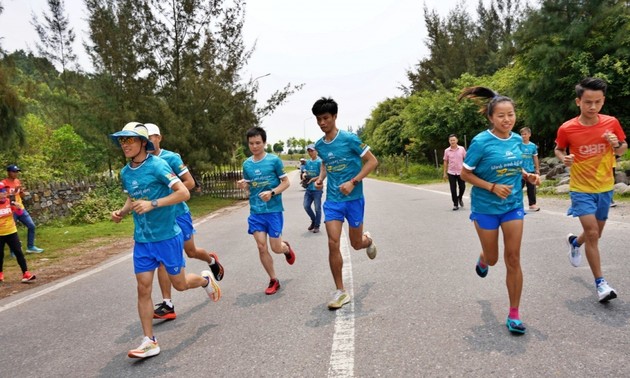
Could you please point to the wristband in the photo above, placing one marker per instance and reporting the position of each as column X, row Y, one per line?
column 354, row 181
column 492, row 188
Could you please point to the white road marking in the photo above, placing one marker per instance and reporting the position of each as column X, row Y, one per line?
column 59, row 285
column 342, row 354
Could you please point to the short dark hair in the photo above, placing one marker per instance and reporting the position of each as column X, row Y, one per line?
column 452, row 135
column 325, row 105
column 255, row 131
column 590, row 83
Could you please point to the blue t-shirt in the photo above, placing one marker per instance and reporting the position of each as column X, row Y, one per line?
column 312, row 169
column 342, row 159
column 176, row 163
column 497, row 161
column 529, row 151
column 151, row 180
column 264, row 175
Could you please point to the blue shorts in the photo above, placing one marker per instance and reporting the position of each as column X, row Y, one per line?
column 269, row 223
column 169, row 252
column 590, row 203
column 185, row 222
column 493, row 221
column 353, row 211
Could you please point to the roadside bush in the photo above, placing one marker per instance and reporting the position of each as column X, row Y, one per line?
column 98, row 204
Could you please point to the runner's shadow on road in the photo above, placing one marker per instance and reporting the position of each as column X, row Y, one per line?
column 322, row 316
column 614, row 314
column 493, row 336
column 245, row 300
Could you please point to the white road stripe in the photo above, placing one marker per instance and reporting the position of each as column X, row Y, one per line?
column 342, row 355
column 59, row 285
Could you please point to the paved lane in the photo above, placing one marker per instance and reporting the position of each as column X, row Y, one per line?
column 418, row 309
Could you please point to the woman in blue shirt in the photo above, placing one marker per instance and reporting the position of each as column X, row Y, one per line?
column 493, row 165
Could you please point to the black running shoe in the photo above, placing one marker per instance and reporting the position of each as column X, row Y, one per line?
column 216, row 268
column 164, row 311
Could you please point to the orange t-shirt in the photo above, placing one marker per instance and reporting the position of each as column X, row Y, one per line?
column 11, row 187
column 7, row 224
column 594, row 160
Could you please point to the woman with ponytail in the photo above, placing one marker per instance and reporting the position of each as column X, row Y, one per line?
column 493, row 165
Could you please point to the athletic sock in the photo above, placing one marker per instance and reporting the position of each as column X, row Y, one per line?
column 212, row 261
column 482, row 265
column 599, row 280
column 514, row 313
column 168, row 302
column 575, row 242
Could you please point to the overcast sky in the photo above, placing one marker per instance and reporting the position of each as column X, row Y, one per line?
column 355, row 51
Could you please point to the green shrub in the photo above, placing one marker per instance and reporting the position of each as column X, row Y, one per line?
column 98, row 204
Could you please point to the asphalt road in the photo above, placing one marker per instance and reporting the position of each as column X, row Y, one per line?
column 418, row 309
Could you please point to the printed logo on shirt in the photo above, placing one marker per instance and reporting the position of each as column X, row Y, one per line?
column 592, row 149
column 170, row 176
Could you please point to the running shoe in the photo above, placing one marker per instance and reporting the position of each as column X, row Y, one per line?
column 455, row 208
column 605, row 292
column 289, row 255
column 34, row 249
column 575, row 256
column 1, row 276
column 481, row 272
column 371, row 249
column 216, row 268
column 515, row 326
column 273, row 287
column 340, row 298
column 28, row 277
column 534, row 208
column 461, row 202
column 613, row 204
column 164, row 311
column 315, row 230
column 148, row 348
column 212, row 287
column 311, row 227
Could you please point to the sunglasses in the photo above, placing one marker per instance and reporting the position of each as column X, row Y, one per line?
column 127, row 140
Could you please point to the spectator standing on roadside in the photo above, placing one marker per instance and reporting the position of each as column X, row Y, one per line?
column 593, row 140
column 452, row 169
column 166, row 309
column 152, row 189
column 264, row 177
column 9, row 234
column 530, row 165
column 17, row 191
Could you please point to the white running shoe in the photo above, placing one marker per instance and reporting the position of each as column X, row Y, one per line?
column 148, row 348
column 212, row 287
column 371, row 249
column 605, row 292
column 340, row 298
column 575, row 256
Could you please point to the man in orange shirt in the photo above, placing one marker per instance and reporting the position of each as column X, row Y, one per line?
column 593, row 140
column 16, row 193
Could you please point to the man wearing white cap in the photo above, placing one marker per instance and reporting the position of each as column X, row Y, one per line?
column 152, row 190
column 166, row 309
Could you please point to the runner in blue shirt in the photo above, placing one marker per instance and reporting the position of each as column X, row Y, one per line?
column 152, row 189
column 264, row 177
column 313, row 195
column 166, row 309
column 530, row 165
column 493, row 165
column 345, row 162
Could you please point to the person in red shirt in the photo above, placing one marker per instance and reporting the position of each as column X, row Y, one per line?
column 16, row 193
column 592, row 140
column 9, row 235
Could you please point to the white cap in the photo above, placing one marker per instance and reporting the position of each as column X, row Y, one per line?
column 152, row 128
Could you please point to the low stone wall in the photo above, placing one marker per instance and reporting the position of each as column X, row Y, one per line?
column 54, row 200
